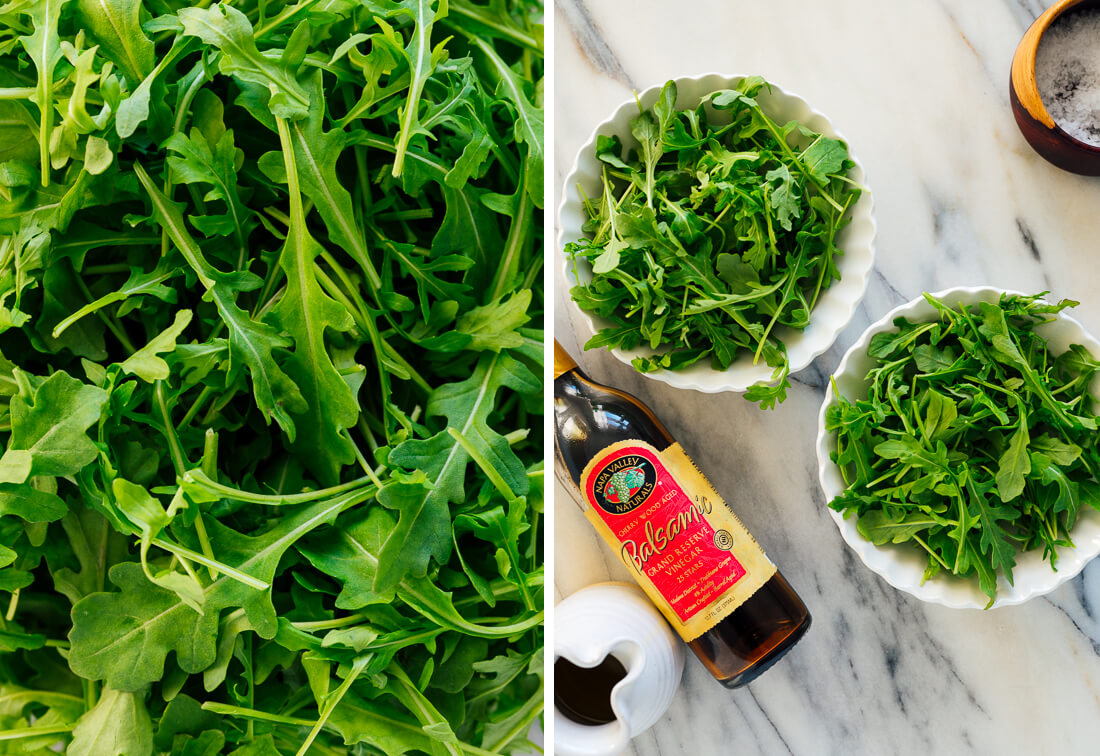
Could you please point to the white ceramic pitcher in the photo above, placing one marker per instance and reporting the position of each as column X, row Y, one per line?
column 616, row 619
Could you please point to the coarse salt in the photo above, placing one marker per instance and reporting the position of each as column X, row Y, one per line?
column 1067, row 69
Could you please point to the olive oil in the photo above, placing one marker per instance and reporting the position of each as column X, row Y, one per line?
column 685, row 547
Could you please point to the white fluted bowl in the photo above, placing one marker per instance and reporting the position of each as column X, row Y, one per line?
column 902, row 565
column 835, row 305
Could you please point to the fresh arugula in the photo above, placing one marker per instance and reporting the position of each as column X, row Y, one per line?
column 270, row 377
column 975, row 442
column 714, row 234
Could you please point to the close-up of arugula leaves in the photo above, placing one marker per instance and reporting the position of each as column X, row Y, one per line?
column 271, row 350
column 975, row 442
column 712, row 236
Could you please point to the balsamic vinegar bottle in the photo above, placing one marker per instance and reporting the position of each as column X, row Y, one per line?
column 684, row 546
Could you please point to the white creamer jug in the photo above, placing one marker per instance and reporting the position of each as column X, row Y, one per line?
column 616, row 619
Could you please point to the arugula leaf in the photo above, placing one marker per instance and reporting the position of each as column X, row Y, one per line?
column 824, row 157
column 1015, row 462
column 32, row 504
column 144, row 363
column 422, row 60
column 228, row 29
column 116, row 26
column 49, row 428
column 118, row 725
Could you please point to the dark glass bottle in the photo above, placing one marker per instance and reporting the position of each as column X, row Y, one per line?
column 590, row 417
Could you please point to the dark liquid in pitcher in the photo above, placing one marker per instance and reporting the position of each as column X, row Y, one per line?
column 589, row 417
column 584, row 693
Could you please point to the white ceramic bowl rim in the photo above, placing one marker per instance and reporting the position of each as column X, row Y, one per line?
column 836, row 304
column 902, row 566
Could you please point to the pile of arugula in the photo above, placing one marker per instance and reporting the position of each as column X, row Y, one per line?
column 713, row 235
column 270, row 359
column 974, row 443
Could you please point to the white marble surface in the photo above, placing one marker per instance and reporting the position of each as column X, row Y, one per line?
column 920, row 90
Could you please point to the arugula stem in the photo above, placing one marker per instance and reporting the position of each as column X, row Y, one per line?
column 531, row 711
column 12, row 605
column 481, row 16
column 824, row 265
column 364, row 428
column 420, row 706
column 333, row 701
column 933, row 553
column 35, row 731
column 403, row 639
column 186, row 565
column 784, row 300
column 179, row 461
column 271, row 280
column 185, row 553
column 422, row 213
column 263, row 716
column 250, row 699
column 491, row 472
column 88, row 688
column 414, row 374
column 533, row 272
column 44, row 90
column 514, row 437
column 17, row 93
column 363, row 460
column 332, row 624
column 513, row 245
column 206, row 393
column 269, row 305
column 210, row 467
column 183, row 109
column 112, row 324
column 201, row 480
column 216, row 408
column 286, row 15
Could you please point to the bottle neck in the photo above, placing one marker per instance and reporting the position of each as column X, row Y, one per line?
column 563, row 363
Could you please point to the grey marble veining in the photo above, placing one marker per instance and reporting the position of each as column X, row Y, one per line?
column 920, row 91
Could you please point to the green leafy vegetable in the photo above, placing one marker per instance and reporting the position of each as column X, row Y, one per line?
column 270, row 377
column 714, row 234
column 975, row 442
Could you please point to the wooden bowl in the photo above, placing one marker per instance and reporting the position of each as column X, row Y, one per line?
column 1036, row 124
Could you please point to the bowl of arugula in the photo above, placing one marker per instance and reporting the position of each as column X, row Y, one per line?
column 717, row 235
column 958, row 451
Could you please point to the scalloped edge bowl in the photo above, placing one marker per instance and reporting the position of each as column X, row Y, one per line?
column 902, row 566
column 835, row 306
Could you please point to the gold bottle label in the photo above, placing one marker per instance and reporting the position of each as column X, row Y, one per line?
column 685, row 547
